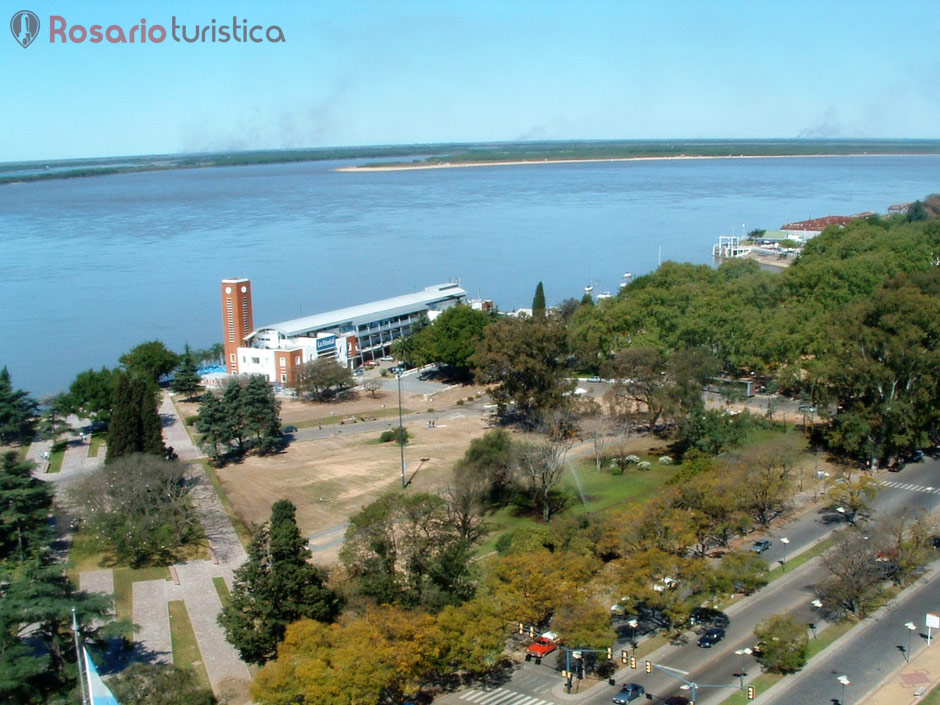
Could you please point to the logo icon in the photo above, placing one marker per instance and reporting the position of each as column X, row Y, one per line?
column 25, row 27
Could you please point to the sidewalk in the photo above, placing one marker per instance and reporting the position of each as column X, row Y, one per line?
column 902, row 686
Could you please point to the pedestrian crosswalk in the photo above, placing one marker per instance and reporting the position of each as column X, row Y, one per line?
column 908, row 486
column 500, row 696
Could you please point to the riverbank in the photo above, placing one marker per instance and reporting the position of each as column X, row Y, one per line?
column 533, row 162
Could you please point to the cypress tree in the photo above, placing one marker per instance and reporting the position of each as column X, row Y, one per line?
column 135, row 421
column 538, row 302
column 17, row 412
column 186, row 379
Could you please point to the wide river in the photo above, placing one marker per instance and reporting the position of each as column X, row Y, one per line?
column 93, row 266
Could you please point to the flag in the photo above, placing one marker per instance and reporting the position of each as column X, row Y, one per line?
column 98, row 692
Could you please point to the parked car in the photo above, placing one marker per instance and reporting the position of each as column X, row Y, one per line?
column 289, row 429
column 543, row 645
column 629, row 692
column 711, row 637
column 761, row 546
column 917, row 456
column 387, row 358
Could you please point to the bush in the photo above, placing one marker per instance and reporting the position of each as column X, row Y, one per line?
column 665, row 460
column 397, row 434
column 460, row 402
column 644, row 465
column 190, row 420
column 616, row 468
column 632, row 459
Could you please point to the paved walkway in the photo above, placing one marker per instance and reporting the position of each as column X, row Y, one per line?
column 152, row 615
column 910, row 681
column 174, row 431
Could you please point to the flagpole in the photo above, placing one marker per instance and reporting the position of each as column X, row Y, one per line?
column 79, row 655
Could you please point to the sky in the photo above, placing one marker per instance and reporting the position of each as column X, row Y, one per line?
column 365, row 72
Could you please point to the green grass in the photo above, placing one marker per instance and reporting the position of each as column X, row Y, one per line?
column 225, row 597
column 56, row 457
column 96, row 443
column 801, row 558
column 186, row 652
column 602, row 490
column 124, row 579
column 242, row 531
column 932, row 698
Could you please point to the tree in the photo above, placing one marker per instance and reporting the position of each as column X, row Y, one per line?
column 741, row 571
column 539, row 465
column 17, row 412
column 525, row 360
column 53, row 423
column 538, row 302
column 135, row 422
column 212, row 426
column 158, row 684
column 639, row 376
column 323, row 378
column 92, row 394
column 404, row 549
column 473, row 636
column 142, row 508
column 488, row 466
column 783, row 642
column 853, row 497
column 245, row 417
column 186, row 380
column 584, row 621
column 150, row 360
column 24, row 509
column 372, row 386
column 260, row 412
column 275, row 587
column 854, row 576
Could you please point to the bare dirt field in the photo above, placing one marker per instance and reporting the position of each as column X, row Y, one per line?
column 331, row 478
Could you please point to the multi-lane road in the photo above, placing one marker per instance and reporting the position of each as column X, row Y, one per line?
column 866, row 655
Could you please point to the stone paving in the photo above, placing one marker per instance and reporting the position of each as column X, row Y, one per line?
column 152, row 615
column 174, row 432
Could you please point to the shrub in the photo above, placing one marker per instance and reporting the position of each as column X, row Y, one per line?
column 460, row 402
column 665, row 460
column 397, row 434
column 644, row 465
column 632, row 459
column 190, row 420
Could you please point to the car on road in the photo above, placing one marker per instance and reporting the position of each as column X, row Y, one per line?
column 711, row 637
column 677, row 700
column 387, row 358
column 629, row 692
column 543, row 645
column 761, row 546
column 289, row 429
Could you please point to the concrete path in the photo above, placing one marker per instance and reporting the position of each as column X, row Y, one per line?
column 152, row 615
column 224, row 544
column 174, row 431
column 196, row 589
column 97, row 581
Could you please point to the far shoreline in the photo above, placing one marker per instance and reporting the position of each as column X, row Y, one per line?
column 529, row 162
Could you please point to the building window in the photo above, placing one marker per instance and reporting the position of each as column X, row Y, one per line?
column 256, row 361
column 233, row 358
column 283, row 377
column 282, row 361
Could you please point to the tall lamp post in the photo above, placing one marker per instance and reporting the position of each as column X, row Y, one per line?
column 911, row 628
column 844, row 680
column 401, row 433
column 633, row 624
column 785, row 541
column 743, row 653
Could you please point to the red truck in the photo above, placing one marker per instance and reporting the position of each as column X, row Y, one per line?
column 543, row 645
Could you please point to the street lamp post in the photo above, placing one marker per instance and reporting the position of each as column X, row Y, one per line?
column 633, row 624
column 743, row 653
column 911, row 628
column 785, row 541
column 844, row 681
column 401, row 433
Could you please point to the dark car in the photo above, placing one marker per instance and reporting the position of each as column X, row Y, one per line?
column 917, row 456
column 289, row 429
column 677, row 700
column 711, row 637
column 761, row 546
column 629, row 692
column 708, row 618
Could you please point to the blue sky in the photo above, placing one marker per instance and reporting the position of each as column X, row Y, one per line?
column 356, row 72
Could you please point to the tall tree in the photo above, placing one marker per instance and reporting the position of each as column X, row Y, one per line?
column 260, row 411
column 186, row 380
column 151, row 360
column 17, row 412
column 53, row 423
column 158, row 684
column 538, row 302
column 212, row 426
column 92, row 394
column 24, row 516
column 274, row 588
column 135, row 424
column 323, row 378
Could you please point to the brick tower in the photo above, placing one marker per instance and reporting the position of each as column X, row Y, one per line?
column 236, row 319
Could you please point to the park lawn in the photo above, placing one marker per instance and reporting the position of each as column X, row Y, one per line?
column 602, row 490
column 221, row 587
column 56, row 457
column 186, row 652
column 96, row 442
column 337, row 418
column 124, row 579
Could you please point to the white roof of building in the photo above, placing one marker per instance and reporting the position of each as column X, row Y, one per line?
column 367, row 313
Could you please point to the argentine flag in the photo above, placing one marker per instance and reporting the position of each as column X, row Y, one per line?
column 97, row 691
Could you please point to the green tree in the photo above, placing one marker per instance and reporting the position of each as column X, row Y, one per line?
column 150, row 360
column 538, row 302
column 17, row 412
column 53, row 423
column 322, row 378
column 213, row 427
column 141, row 507
column 186, row 380
column 405, row 549
column 158, row 684
column 260, row 411
column 741, row 571
column 487, row 466
column 783, row 642
column 274, row 588
column 525, row 360
column 452, row 338
column 24, row 509
column 92, row 394
column 135, row 423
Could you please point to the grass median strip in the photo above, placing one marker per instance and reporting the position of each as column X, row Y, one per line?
column 225, row 597
column 186, row 652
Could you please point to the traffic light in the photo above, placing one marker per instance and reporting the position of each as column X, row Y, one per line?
column 532, row 632
column 623, row 656
column 751, row 692
column 649, row 666
column 633, row 662
column 521, row 628
column 610, row 653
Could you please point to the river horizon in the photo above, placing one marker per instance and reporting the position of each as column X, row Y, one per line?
column 97, row 265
